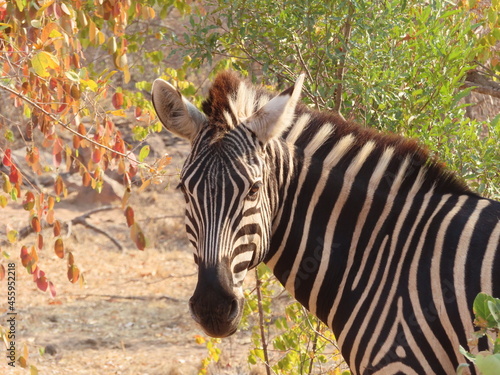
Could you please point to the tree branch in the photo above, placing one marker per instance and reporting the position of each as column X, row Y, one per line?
column 67, row 127
column 82, row 219
column 479, row 83
column 339, row 75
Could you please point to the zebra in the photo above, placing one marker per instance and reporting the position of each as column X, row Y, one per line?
column 366, row 230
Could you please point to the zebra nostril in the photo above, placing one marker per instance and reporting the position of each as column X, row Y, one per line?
column 234, row 310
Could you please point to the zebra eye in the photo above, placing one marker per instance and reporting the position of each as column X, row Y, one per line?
column 254, row 190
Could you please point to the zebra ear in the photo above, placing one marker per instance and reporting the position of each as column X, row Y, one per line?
column 277, row 115
column 175, row 112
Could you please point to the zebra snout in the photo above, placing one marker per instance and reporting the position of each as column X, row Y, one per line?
column 217, row 316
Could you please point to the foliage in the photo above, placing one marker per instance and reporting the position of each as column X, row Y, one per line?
column 487, row 313
column 296, row 343
column 67, row 73
column 397, row 66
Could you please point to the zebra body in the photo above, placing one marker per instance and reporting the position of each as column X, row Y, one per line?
column 365, row 230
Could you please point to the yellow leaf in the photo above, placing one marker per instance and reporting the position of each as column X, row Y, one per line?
column 43, row 61
column 118, row 112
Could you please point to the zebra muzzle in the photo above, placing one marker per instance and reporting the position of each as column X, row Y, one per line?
column 214, row 305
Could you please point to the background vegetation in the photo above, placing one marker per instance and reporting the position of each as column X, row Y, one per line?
column 73, row 71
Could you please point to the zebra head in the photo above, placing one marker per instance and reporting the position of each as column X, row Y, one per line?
column 227, row 186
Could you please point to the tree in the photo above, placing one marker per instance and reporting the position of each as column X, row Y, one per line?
column 71, row 69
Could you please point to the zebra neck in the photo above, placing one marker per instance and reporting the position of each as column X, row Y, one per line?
column 324, row 204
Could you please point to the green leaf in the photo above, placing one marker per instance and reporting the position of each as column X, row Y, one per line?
column 484, row 316
column 143, row 154
column 488, row 364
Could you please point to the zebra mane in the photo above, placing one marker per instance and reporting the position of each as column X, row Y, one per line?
column 231, row 100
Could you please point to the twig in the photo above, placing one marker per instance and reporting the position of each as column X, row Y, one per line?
column 261, row 322
column 341, row 67
column 82, row 219
column 67, row 127
column 140, row 298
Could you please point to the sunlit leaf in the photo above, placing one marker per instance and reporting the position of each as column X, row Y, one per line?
column 29, row 201
column 59, row 185
column 52, row 289
column 137, row 235
column 59, row 248
column 143, row 154
column 129, row 214
column 73, row 273
column 57, row 228
column 7, row 158
column 12, row 235
column 42, row 62
column 40, row 241
column 35, row 224
column 42, row 283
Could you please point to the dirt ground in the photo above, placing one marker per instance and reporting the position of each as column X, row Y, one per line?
column 131, row 314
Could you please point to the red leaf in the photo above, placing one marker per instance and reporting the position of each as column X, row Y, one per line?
column 117, row 100
column 42, row 283
column 2, row 272
column 15, row 177
column 7, row 161
column 129, row 214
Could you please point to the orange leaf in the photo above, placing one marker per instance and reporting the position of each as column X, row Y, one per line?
column 57, row 228
column 51, row 202
column 25, row 256
column 117, row 100
column 73, row 273
column 50, row 217
column 59, row 185
column 76, row 141
column 59, row 248
column 71, row 259
column 2, row 272
column 97, row 155
column 35, row 224
column 40, row 241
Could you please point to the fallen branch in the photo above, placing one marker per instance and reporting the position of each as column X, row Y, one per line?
column 82, row 219
column 140, row 298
